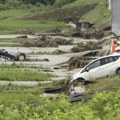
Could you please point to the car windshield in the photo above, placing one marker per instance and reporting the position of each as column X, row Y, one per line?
column 92, row 65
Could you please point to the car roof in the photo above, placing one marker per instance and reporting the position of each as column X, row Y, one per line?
column 105, row 57
column 108, row 56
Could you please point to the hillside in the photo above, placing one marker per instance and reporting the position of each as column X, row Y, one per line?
column 42, row 15
column 93, row 11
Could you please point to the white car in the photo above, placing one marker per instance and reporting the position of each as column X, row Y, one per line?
column 99, row 68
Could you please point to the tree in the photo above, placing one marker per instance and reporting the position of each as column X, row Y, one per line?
column 2, row 1
column 33, row 2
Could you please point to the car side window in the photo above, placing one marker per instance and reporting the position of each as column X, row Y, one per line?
column 107, row 60
column 115, row 58
column 94, row 65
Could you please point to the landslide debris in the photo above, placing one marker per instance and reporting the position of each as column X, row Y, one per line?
column 59, row 52
column 89, row 34
column 78, row 62
column 46, row 41
column 93, row 33
column 86, row 46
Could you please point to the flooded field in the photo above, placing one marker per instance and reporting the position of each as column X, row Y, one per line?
column 53, row 60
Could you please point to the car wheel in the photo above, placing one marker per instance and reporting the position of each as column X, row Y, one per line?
column 118, row 71
column 21, row 57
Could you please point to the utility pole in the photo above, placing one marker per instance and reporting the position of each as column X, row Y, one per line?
column 109, row 4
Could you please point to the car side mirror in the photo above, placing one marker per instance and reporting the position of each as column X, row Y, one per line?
column 87, row 69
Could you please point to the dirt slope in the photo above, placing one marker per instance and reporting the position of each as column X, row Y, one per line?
column 62, row 14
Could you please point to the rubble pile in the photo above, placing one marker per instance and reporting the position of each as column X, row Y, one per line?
column 45, row 41
column 78, row 62
column 89, row 34
column 86, row 46
column 92, row 33
column 59, row 52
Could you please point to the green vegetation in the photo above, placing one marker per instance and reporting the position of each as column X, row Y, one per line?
column 25, row 103
column 13, row 65
column 10, row 14
column 13, row 12
column 9, row 98
column 79, row 3
column 61, row 3
column 100, row 15
column 10, row 45
column 108, row 83
column 23, row 75
column 17, row 25
column 103, row 106
column 10, row 42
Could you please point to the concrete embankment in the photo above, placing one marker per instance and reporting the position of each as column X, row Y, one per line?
column 24, row 83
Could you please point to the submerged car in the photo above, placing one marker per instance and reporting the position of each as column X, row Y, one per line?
column 99, row 68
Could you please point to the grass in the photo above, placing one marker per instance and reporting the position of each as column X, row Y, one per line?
column 11, row 20
column 17, row 25
column 105, row 84
column 13, row 98
column 79, row 3
column 26, row 89
column 8, row 39
column 9, row 42
column 62, row 14
column 10, row 14
column 11, row 94
column 10, row 45
column 13, row 65
column 99, row 15
column 22, row 66
column 23, row 75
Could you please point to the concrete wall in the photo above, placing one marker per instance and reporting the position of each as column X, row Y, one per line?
column 116, row 16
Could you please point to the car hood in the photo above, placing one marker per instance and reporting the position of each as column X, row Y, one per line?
column 75, row 76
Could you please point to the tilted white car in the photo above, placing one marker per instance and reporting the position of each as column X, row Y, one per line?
column 99, row 68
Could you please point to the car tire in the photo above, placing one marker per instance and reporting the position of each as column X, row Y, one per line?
column 118, row 71
column 21, row 57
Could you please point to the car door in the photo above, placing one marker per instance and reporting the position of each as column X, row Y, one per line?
column 93, row 70
column 107, row 64
column 104, row 69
